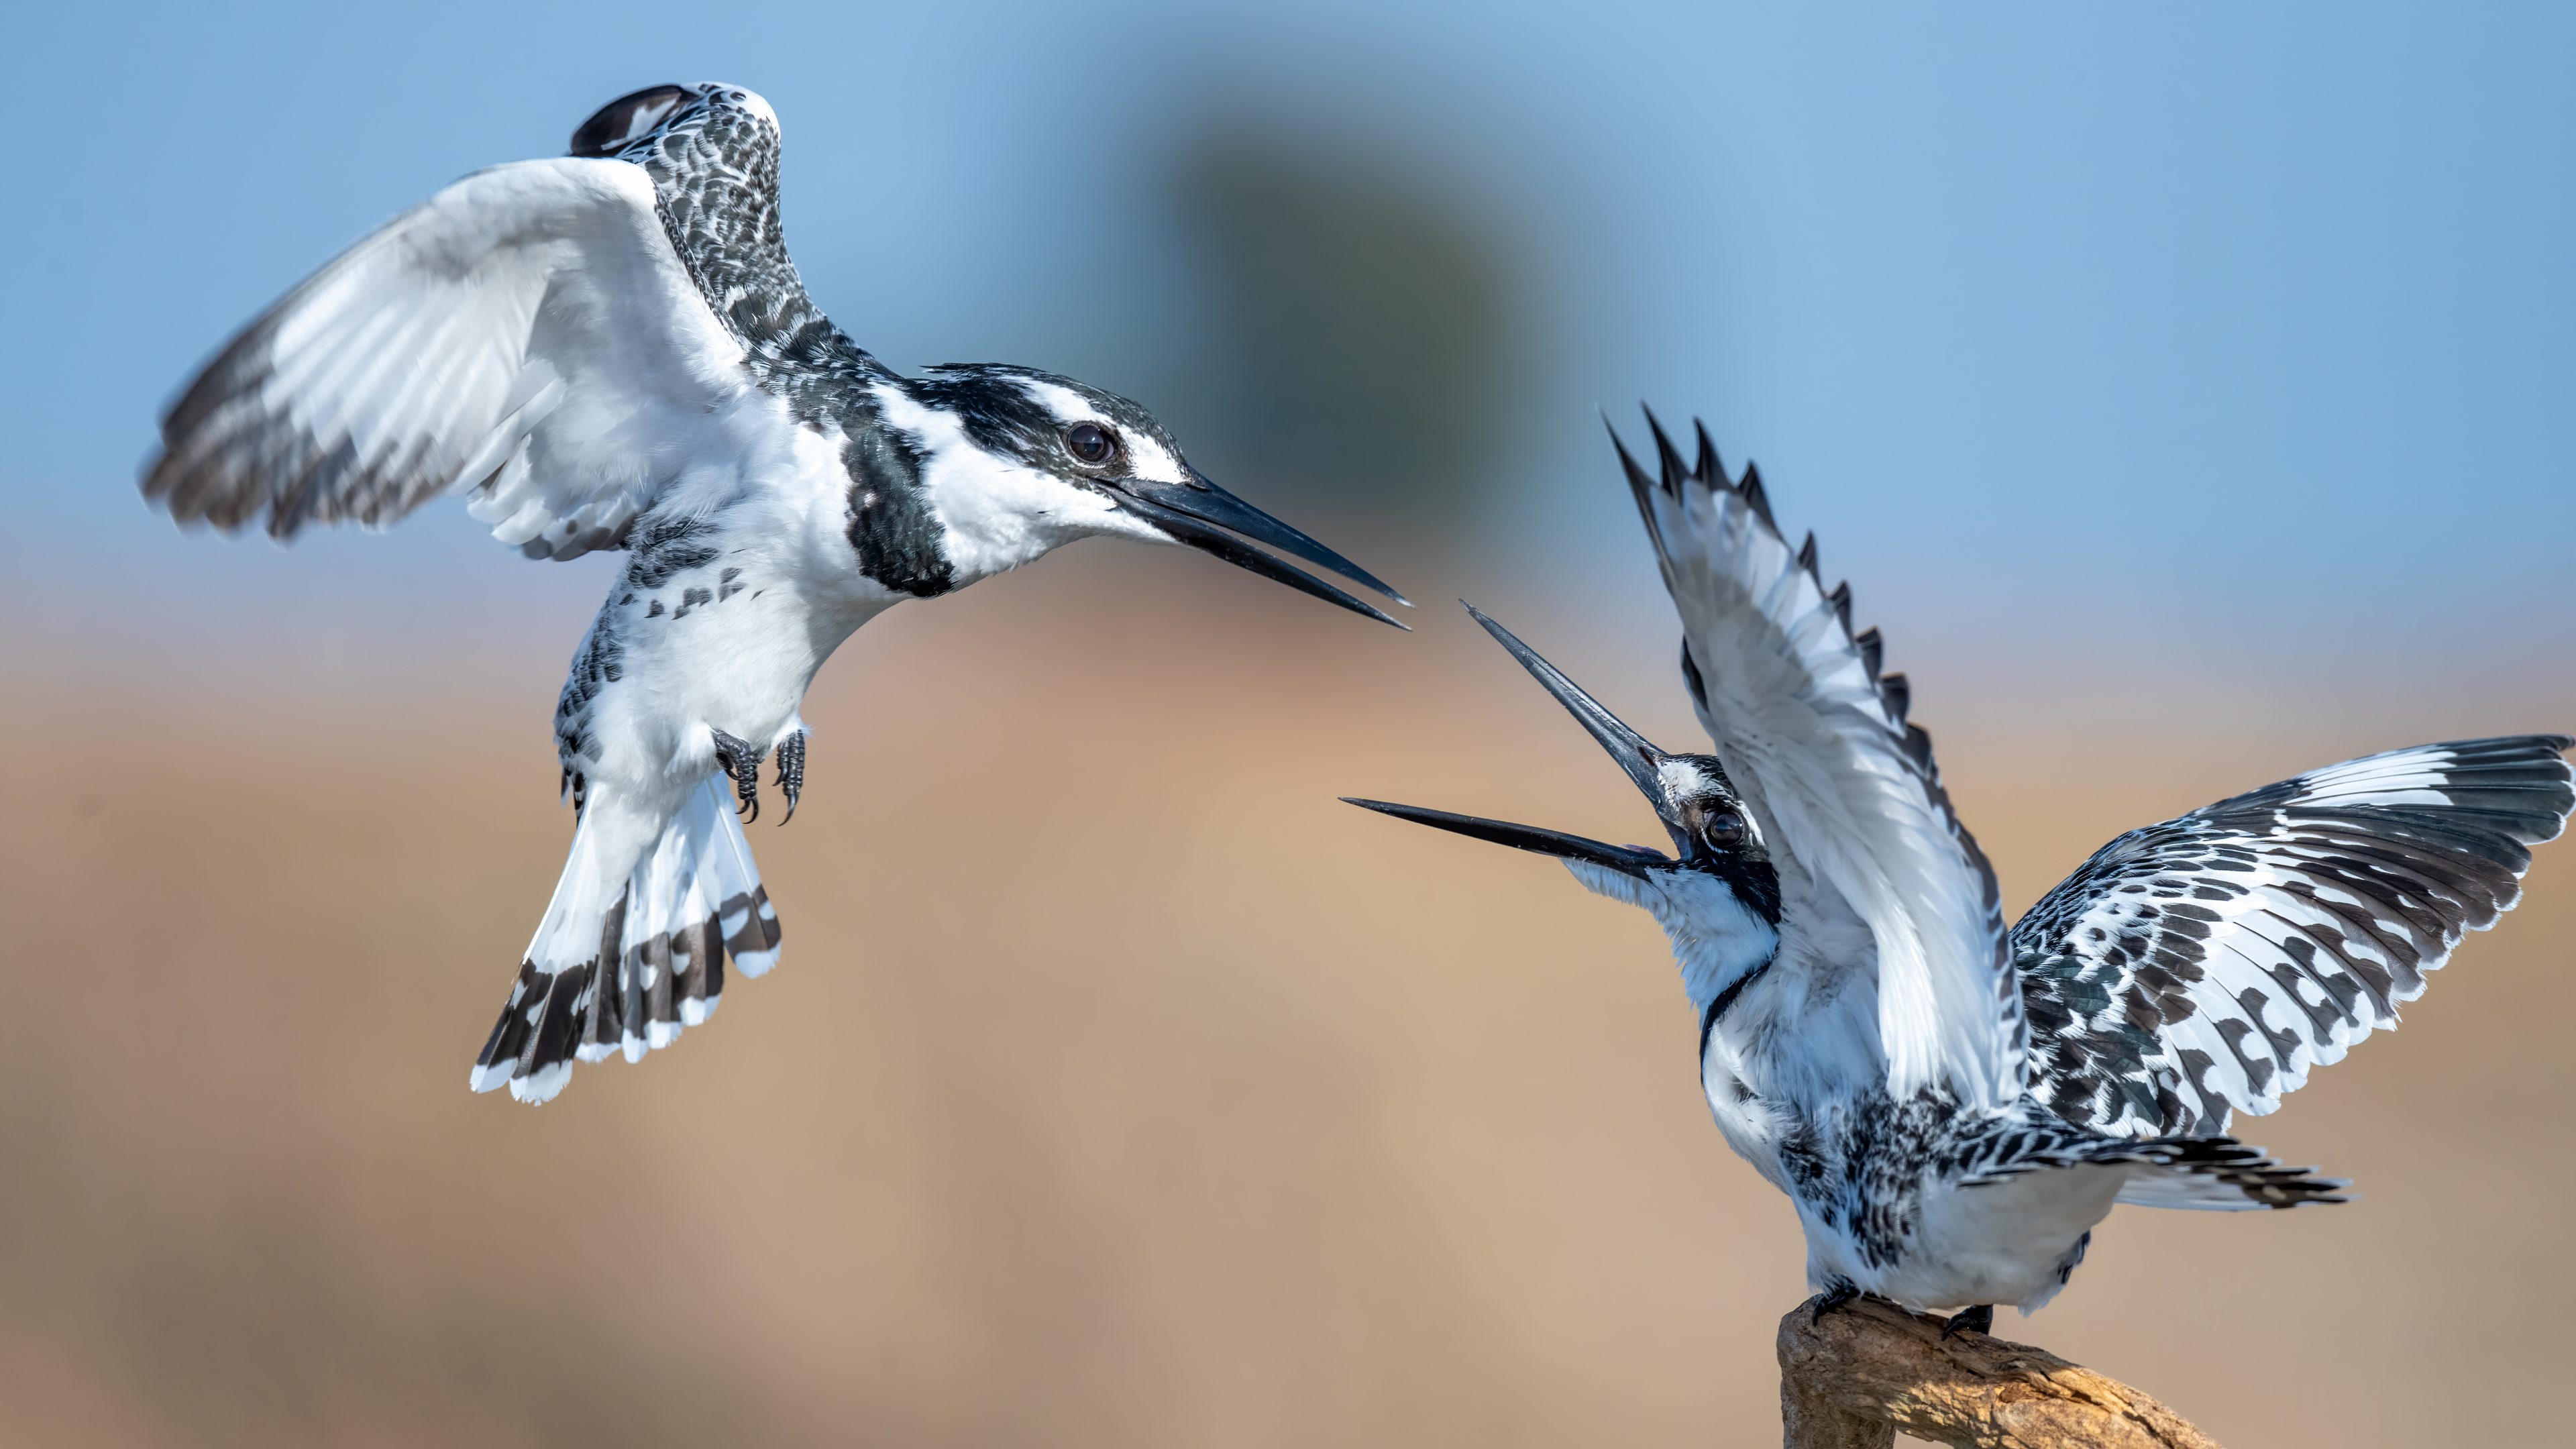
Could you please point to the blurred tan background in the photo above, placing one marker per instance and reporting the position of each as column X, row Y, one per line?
column 2187, row 413
column 1117, row 1086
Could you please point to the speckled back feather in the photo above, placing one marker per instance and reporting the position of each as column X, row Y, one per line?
column 2203, row 966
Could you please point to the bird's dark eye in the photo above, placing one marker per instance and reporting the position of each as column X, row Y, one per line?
column 1725, row 830
column 1091, row 442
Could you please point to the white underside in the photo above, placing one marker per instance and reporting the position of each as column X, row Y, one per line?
column 2009, row 1242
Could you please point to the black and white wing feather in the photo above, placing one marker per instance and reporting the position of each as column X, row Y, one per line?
column 2202, row 966
column 1843, row 789
column 528, row 334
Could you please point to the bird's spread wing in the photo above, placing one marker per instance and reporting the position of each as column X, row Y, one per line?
column 527, row 334
column 1844, row 789
column 2207, row 963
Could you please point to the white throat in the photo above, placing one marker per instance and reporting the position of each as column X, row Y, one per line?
column 1717, row 939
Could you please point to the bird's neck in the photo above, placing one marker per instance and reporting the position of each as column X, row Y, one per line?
column 1719, row 941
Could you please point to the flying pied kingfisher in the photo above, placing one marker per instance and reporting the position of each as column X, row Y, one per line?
column 611, row 350
column 1950, row 1105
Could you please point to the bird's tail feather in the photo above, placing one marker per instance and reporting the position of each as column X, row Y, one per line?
column 2213, row 1173
column 624, row 964
column 2219, row 1174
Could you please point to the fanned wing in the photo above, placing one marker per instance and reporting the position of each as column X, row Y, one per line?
column 1843, row 788
column 2202, row 966
column 527, row 333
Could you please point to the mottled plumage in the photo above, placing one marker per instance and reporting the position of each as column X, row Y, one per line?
column 612, row 350
column 2202, row 966
column 1952, row 1107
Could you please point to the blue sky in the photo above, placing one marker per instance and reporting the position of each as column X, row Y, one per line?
column 2245, row 338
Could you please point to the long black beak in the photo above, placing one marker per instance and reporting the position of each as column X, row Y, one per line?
column 1628, row 859
column 1633, row 751
column 1198, row 512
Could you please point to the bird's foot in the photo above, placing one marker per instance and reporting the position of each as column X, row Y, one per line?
column 791, row 771
column 741, row 763
column 1843, row 1291
column 1979, row 1319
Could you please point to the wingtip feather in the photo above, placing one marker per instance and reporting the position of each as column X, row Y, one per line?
column 1711, row 469
column 1750, row 489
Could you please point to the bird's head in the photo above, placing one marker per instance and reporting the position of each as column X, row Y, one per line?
column 1717, row 895
column 1014, row 462
column 985, row 467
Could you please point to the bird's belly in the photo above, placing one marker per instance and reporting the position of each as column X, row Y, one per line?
column 741, row 666
column 2010, row 1242
column 729, row 641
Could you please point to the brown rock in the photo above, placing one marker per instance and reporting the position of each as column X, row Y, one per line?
column 1854, row 1376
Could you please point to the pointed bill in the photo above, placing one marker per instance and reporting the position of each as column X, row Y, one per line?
column 1633, row 751
column 1199, row 517
column 1627, row 859
column 1201, row 499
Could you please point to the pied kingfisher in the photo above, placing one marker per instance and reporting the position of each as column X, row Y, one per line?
column 611, row 350
column 1952, row 1106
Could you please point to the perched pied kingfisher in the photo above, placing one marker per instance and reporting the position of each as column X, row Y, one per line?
column 611, row 350
column 1952, row 1106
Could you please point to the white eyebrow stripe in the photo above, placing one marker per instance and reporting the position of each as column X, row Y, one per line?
column 1150, row 458
column 1068, row 406
column 1684, row 777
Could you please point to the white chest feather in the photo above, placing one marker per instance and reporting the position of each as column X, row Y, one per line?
column 718, row 621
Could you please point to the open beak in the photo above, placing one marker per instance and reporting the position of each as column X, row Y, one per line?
column 1628, row 859
column 1638, row 757
column 1635, row 755
column 1198, row 513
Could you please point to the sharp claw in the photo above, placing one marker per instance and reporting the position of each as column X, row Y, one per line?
column 791, row 771
column 741, row 764
column 1977, row 1319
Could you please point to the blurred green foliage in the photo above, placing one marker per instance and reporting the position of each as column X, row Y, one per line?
column 1364, row 342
